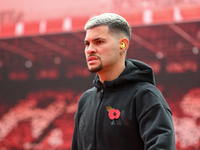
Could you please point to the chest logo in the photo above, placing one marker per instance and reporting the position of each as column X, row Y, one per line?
column 117, row 117
column 113, row 114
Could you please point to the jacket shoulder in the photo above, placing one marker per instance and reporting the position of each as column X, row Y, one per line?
column 148, row 96
column 86, row 95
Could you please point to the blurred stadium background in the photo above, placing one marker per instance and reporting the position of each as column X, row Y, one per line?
column 43, row 70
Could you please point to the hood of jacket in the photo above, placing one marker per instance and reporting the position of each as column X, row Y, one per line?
column 135, row 71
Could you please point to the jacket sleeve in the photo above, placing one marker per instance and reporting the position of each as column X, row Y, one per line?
column 155, row 121
column 74, row 142
column 74, row 145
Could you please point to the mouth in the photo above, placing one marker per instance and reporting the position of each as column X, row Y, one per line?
column 92, row 59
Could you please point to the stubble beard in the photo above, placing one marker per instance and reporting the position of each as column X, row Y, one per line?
column 98, row 68
column 94, row 70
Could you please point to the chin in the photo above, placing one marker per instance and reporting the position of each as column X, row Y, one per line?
column 95, row 69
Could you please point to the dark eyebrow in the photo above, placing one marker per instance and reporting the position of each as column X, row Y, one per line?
column 95, row 40
column 99, row 39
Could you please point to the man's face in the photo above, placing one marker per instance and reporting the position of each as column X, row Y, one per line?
column 101, row 49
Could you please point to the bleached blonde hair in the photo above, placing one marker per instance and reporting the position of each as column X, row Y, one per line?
column 116, row 23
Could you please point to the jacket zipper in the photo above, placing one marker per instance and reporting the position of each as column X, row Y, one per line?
column 96, row 125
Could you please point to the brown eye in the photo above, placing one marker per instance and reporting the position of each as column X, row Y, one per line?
column 87, row 44
column 99, row 42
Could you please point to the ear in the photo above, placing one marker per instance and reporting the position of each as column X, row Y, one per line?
column 125, row 42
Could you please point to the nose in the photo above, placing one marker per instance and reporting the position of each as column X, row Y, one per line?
column 90, row 49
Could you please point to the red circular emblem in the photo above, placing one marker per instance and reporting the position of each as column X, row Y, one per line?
column 114, row 114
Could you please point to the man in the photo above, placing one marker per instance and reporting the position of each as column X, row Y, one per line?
column 124, row 110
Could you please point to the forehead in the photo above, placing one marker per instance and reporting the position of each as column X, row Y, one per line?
column 97, row 32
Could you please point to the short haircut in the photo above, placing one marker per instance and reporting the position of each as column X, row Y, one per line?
column 115, row 23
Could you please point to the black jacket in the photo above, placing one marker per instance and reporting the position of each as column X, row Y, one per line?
column 143, row 119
